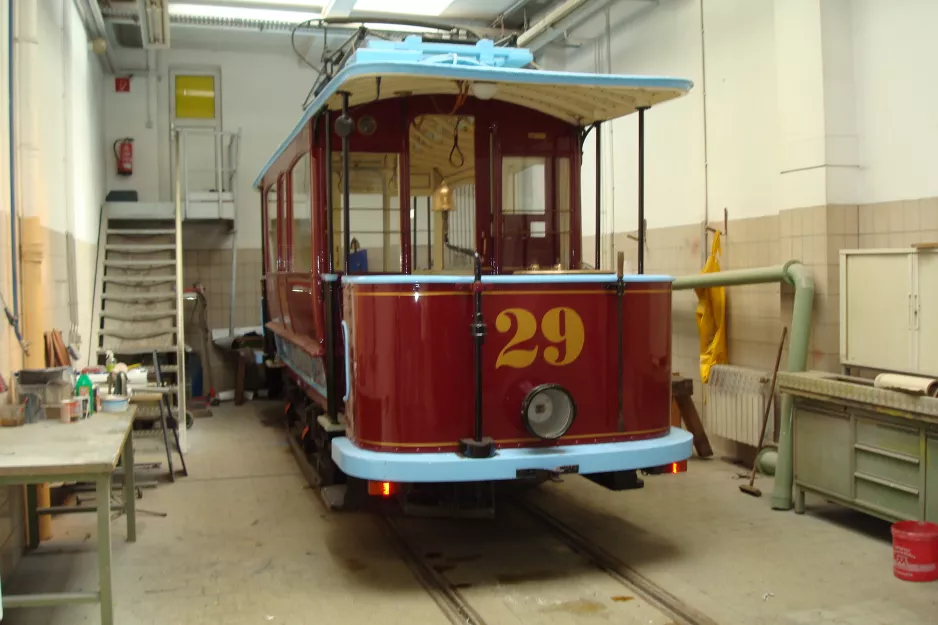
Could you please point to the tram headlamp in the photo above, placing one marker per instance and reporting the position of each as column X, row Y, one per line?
column 548, row 411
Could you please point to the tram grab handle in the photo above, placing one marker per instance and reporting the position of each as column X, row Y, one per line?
column 348, row 362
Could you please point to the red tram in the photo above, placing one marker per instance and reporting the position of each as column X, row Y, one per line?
column 425, row 285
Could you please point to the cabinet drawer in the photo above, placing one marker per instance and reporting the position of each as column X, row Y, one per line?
column 897, row 500
column 889, row 466
column 890, row 437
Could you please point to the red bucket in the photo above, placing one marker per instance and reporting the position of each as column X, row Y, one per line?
column 915, row 551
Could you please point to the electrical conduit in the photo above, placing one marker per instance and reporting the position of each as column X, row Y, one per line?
column 798, row 276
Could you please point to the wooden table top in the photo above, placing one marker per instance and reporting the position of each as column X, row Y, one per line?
column 90, row 446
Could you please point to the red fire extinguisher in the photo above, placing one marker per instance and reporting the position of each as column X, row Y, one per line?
column 124, row 152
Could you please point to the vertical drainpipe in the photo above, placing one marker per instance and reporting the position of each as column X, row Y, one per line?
column 12, row 134
column 800, row 277
column 29, row 205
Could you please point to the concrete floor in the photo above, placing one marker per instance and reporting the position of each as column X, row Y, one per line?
column 246, row 541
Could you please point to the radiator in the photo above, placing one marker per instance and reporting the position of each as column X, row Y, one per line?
column 735, row 403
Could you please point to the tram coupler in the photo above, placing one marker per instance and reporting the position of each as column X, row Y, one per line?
column 617, row 480
column 477, row 449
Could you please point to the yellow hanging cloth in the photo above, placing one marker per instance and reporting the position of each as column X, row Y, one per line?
column 711, row 317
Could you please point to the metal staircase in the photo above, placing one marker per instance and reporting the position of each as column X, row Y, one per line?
column 139, row 308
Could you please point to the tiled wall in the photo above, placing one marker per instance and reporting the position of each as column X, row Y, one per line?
column 212, row 269
column 755, row 314
column 898, row 224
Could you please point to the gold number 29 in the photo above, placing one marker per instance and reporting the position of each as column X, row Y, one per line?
column 560, row 326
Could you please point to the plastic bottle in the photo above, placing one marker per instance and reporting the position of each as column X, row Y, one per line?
column 84, row 388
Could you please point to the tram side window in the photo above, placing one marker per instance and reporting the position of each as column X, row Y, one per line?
column 272, row 229
column 302, row 232
column 374, row 213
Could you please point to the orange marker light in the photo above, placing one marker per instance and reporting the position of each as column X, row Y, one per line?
column 381, row 489
column 679, row 467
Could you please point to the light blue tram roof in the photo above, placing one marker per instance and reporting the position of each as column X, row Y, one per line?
column 417, row 68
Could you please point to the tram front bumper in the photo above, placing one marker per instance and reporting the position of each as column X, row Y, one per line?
column 507, row 463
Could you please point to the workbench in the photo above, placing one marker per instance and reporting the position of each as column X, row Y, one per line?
column 867, row 448
column 86, row 451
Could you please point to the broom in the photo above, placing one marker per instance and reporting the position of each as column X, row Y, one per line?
column 749, row 489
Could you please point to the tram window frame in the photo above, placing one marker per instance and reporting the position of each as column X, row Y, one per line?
column 271, row 228
column 301, row 241
column 563, row 208
column 283, row 244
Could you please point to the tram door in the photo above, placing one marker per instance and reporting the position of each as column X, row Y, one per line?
column 535, row 213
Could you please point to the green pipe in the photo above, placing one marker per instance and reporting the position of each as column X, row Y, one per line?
column 801, row 278
column 797, row 275
column 738, row 277
column 767, row 460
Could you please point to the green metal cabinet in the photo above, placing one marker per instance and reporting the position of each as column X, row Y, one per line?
column 885, row 465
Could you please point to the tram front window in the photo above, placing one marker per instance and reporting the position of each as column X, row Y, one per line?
column 374, row 213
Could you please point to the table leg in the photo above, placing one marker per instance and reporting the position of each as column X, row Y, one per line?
column 103, row 493
column 130, row 488
column 32, row 516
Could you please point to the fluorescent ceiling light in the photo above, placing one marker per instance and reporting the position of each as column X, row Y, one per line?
column 241, row 13
column 404, row 7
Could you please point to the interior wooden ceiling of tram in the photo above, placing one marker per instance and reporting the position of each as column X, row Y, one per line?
column 443, row 145
column 438, row 151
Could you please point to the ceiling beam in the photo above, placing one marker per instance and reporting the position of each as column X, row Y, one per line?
column 547, row 30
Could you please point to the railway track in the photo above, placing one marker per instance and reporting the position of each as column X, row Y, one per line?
column 458, row 608
column 451, row 597
column 679, row 611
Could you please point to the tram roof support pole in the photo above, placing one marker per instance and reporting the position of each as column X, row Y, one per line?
column 641, row 189
column 330, row 206
column 597, row 127
column 345, row 130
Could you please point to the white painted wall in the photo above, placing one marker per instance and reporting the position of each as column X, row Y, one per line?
column 71, row 121
column 872, row 103
column 894, row 50
column 665, row 39
column 261, row 94
column 71, row 187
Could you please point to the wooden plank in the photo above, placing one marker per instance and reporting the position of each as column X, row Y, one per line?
column 91, row 446
column 682, row 387
column 61, row 352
